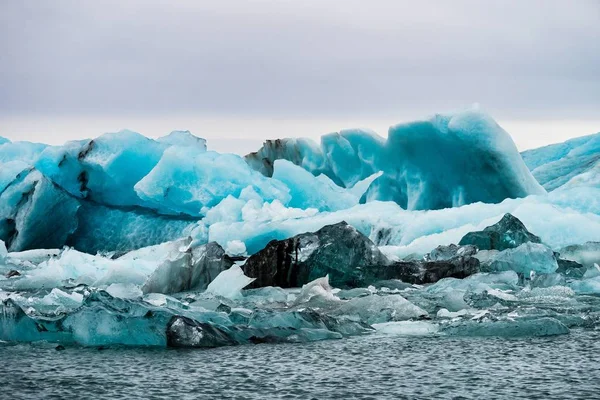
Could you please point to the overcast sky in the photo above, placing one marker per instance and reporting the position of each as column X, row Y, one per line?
column 263, row 69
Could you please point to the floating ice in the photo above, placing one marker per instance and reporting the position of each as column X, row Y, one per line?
column 403, row 233
column 524, row 259
column 146, row 222
column 586, row 254
column 407, row 328
column 229, row 283
column 507, row 328
column 587, row 286
column 378, row 309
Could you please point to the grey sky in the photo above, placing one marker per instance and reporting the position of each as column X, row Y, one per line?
column 372, row 63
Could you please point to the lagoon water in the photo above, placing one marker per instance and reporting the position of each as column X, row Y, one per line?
column 366, row 367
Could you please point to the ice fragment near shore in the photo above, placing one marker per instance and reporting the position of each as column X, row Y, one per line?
column 229, row 283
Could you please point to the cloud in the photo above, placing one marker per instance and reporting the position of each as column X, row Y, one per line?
column 299, row 58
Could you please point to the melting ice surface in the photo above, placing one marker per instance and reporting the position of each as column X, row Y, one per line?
column 125, row 240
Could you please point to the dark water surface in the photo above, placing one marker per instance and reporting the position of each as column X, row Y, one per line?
column 367, row 367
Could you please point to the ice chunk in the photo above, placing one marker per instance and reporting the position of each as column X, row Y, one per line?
column 62, row 298
column 524, row 259
column 569, row 164
column 229, row 283
column 265, row 295
column 587, row 286
column 378, row 309
column 463, row 143
column 303, row 152
column 172, row 275
column 445, row 253
column 586, row 254
column 17, row 326
column 124, row 290
column 338, row 250
column 476, row 283
column 592, row 272
column 3, row 251
column 308, row 191
column 208, row 261
column 506, row 328
column 558, row 220
column 185, row 180
column 104, row 169
column 33, row 256
column 548, row 280
column 105, row 229
column 184, row 139
column 106, row 321
column 10, row 171
column 407, row 328
column 186, row 332
column 164, row 268
column 508, row 233
column 353, row 154
column 235, row 248
column 36, row 214
column 24, row 152
column 318, row 288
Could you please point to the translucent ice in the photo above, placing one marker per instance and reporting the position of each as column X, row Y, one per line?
column 35, row 214
column 184, row 139
column 378, row 309
column 437, row 163
column 507, row 328
column 229, row 283
column 308, row 191
column 575, row 162
column 407, row 328
column 104, row 169
column 586, row 254
column 556, row 221
column 524, row 259
column 24, row 152
column 185, row 180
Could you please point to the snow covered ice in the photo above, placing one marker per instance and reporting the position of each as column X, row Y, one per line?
column 440, row 229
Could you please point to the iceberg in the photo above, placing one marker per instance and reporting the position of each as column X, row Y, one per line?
column 573, row 163
column 446, row 161
column 187, row 181
column 104, row 169
column 439, row 229
column 35, row 214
